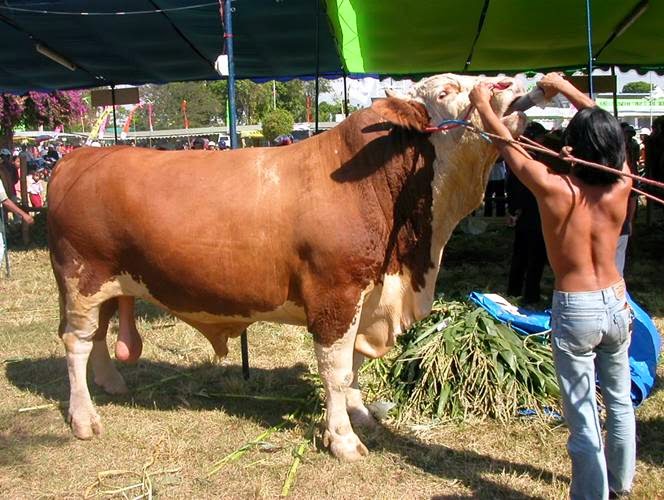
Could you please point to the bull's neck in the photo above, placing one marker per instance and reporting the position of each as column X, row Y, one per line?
column 458, row 189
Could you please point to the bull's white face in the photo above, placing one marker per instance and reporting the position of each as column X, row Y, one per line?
column 446, row 97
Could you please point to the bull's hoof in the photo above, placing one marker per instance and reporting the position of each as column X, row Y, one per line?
column 361, row 417
column 111, row 382
column 346, row 447
column 85, row 424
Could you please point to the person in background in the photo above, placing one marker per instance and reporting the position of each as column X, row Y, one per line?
column 495, row 190
column 631, row 146
column 582, row 213
column 212, row 146
column 35, row 190
column 8, row 173
column 632, row 151
column 528, row 250
column 198, row 143
column 6, row 204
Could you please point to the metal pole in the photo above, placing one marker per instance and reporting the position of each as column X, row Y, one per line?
column 589, row 27
column 228, row 36
column 115, row 123
column 615, row 92
column 345, row 96
column 317, row 61
column 232, row 131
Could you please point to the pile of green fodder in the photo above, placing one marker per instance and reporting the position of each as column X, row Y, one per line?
column 460, row 362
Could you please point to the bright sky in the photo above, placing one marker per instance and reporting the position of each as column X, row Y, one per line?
column 361, row 91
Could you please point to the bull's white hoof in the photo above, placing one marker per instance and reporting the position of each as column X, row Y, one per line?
column 346, row 447
column 361, row 417
column 111, row 381
column 85, row 424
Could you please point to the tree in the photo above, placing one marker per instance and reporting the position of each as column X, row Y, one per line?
column 203, row 105
column 637, row 88
column 37, row 109
column 277, row 122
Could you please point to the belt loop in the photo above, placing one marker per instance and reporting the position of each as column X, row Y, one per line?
column 605, row 296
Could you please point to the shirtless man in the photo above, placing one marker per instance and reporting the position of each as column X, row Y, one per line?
column 582, row 214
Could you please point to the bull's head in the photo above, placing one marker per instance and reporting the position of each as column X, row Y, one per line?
column 462, row 156
column 445, row 97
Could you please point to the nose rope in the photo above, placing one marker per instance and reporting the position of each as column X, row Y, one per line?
column 527, row 143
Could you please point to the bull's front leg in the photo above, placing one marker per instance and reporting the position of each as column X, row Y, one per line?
column 335, row 365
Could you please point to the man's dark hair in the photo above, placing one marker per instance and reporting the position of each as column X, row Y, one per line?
column 534, row 131
column 596, row 136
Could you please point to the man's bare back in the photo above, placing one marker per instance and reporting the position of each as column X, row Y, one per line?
column 581, row 225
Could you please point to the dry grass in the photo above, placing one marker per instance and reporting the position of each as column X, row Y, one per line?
column 179, row 420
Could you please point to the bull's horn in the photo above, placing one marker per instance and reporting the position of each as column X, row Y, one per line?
column 395, row 93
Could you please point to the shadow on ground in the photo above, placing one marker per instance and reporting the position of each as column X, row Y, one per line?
column 270, row 394
column 163, row 386
column 467, row 467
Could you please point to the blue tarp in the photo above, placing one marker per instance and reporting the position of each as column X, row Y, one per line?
column 643, row 351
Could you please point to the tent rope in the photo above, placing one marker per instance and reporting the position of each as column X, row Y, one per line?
column 119, row 13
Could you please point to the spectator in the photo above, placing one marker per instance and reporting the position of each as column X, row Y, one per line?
column 199, row 143
column 8, row 204
column 528, row 250
column 8, row 173
column 35, row 190
column 495, row 190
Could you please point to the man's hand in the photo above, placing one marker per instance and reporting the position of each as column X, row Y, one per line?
column 28, row 219
column 551, row 84
column 481, row 94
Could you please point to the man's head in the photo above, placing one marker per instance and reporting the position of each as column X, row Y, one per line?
column 596, row 136
column 199, row 143
column 5, row 154
column 535, row 131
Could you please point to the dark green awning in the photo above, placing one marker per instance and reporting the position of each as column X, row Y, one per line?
column 278, row 38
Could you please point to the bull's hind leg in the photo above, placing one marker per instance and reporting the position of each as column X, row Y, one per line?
column 335, row 365
column 106, row 374
column 80, row 326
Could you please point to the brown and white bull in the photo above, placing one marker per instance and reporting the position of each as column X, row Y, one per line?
column 342, row 233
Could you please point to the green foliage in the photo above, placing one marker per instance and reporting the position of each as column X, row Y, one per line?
column 637, row 88
column 459, row 362
column 276, row 123
column 204, row 107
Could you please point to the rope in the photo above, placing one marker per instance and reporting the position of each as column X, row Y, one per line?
column 125, row 13
column 533, row 146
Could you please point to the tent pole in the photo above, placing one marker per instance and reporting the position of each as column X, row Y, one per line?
column 317, row 62
column 615, row 92
column 115, row 123
column 228, row 35
column 345, row 96
column 232, row 131
column 589, row 27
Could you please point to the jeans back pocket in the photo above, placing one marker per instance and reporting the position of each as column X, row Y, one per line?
column 621, row 325
column 578, row 332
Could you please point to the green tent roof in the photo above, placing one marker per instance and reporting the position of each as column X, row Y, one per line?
column 141, row 41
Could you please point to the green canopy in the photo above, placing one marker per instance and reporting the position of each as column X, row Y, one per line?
column 157, row 41
column 483, row 36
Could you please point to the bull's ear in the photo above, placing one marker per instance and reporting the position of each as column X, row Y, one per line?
column 404, row 113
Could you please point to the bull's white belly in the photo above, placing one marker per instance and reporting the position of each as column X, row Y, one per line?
column 124, row 284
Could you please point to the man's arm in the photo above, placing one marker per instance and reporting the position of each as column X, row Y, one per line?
column 554, row 83
column 530, row 172
column 10, row 205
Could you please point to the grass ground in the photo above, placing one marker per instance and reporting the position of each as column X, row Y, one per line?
column 184, row 412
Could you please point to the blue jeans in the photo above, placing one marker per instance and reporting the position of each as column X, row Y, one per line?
column 591, row 335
